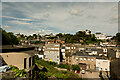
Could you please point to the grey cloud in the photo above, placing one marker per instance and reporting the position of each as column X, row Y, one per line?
column 76, row 12
column 63, row 16
column 91, row 17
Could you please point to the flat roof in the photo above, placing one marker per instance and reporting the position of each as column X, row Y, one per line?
column 16, row 48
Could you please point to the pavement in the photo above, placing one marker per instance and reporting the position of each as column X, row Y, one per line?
column 92, row 75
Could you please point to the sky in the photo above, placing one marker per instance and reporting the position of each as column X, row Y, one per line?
column 56, row 17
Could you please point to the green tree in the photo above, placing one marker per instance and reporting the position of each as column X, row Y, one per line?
column 35, row 36
column 30, row 37
column 8, row 38
column 75, row 67
column 13, row 39
column 59, row 35
column 118, row 38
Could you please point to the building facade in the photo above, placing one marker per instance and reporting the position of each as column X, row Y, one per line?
column 85, row 62
column 102, row 65
column 52, row 52
column 100, row 36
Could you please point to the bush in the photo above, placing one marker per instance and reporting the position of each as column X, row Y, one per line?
column 51, row 71
column 64, row 72
column 53, row 63
column 48, row 74
column 19, row 73
column 13, row 68
column 64, row 66
column 75, row 67
column 58, row 75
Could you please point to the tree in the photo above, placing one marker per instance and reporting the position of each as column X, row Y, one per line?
column 5, row 37
column 75, row 67
column 35, row 36
column 60, row 35
column 118, row 38
column 30, row 37
column 13, row 38
column 8, row 38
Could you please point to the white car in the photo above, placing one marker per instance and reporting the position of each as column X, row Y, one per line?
column 83, row 71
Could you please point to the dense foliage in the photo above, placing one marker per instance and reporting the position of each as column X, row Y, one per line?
column 118, row 38
column 79, row 37
column 75, row 67
column 64, row 66
column 53, row 72
column 8, row 38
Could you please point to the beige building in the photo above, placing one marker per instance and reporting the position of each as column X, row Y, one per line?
column 23, row 58
column 85, row 62
column 52, row 52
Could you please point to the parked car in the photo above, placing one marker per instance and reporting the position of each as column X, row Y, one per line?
column 83, row 71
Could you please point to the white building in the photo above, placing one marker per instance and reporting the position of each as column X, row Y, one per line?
column 102, row 65
column 109, row 37
column 52, row 52
column 40, row 56
column 100, row 36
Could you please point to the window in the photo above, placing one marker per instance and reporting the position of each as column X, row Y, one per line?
column 72, row 51
column 30, row 62
column 88, row 59
column 91, row 59
column 81, row 59
column 106, row 69
column 72, row 47
column 56, row 48
column 76, row 58
column 84, row 58
column 25, row 59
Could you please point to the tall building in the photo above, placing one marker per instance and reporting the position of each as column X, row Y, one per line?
column 52, row 52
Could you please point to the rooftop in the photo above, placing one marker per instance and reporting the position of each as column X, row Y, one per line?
column 15, row 48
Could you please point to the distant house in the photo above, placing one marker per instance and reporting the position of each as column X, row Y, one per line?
column 50, row 41
column 60, row 40
column 100, row 36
